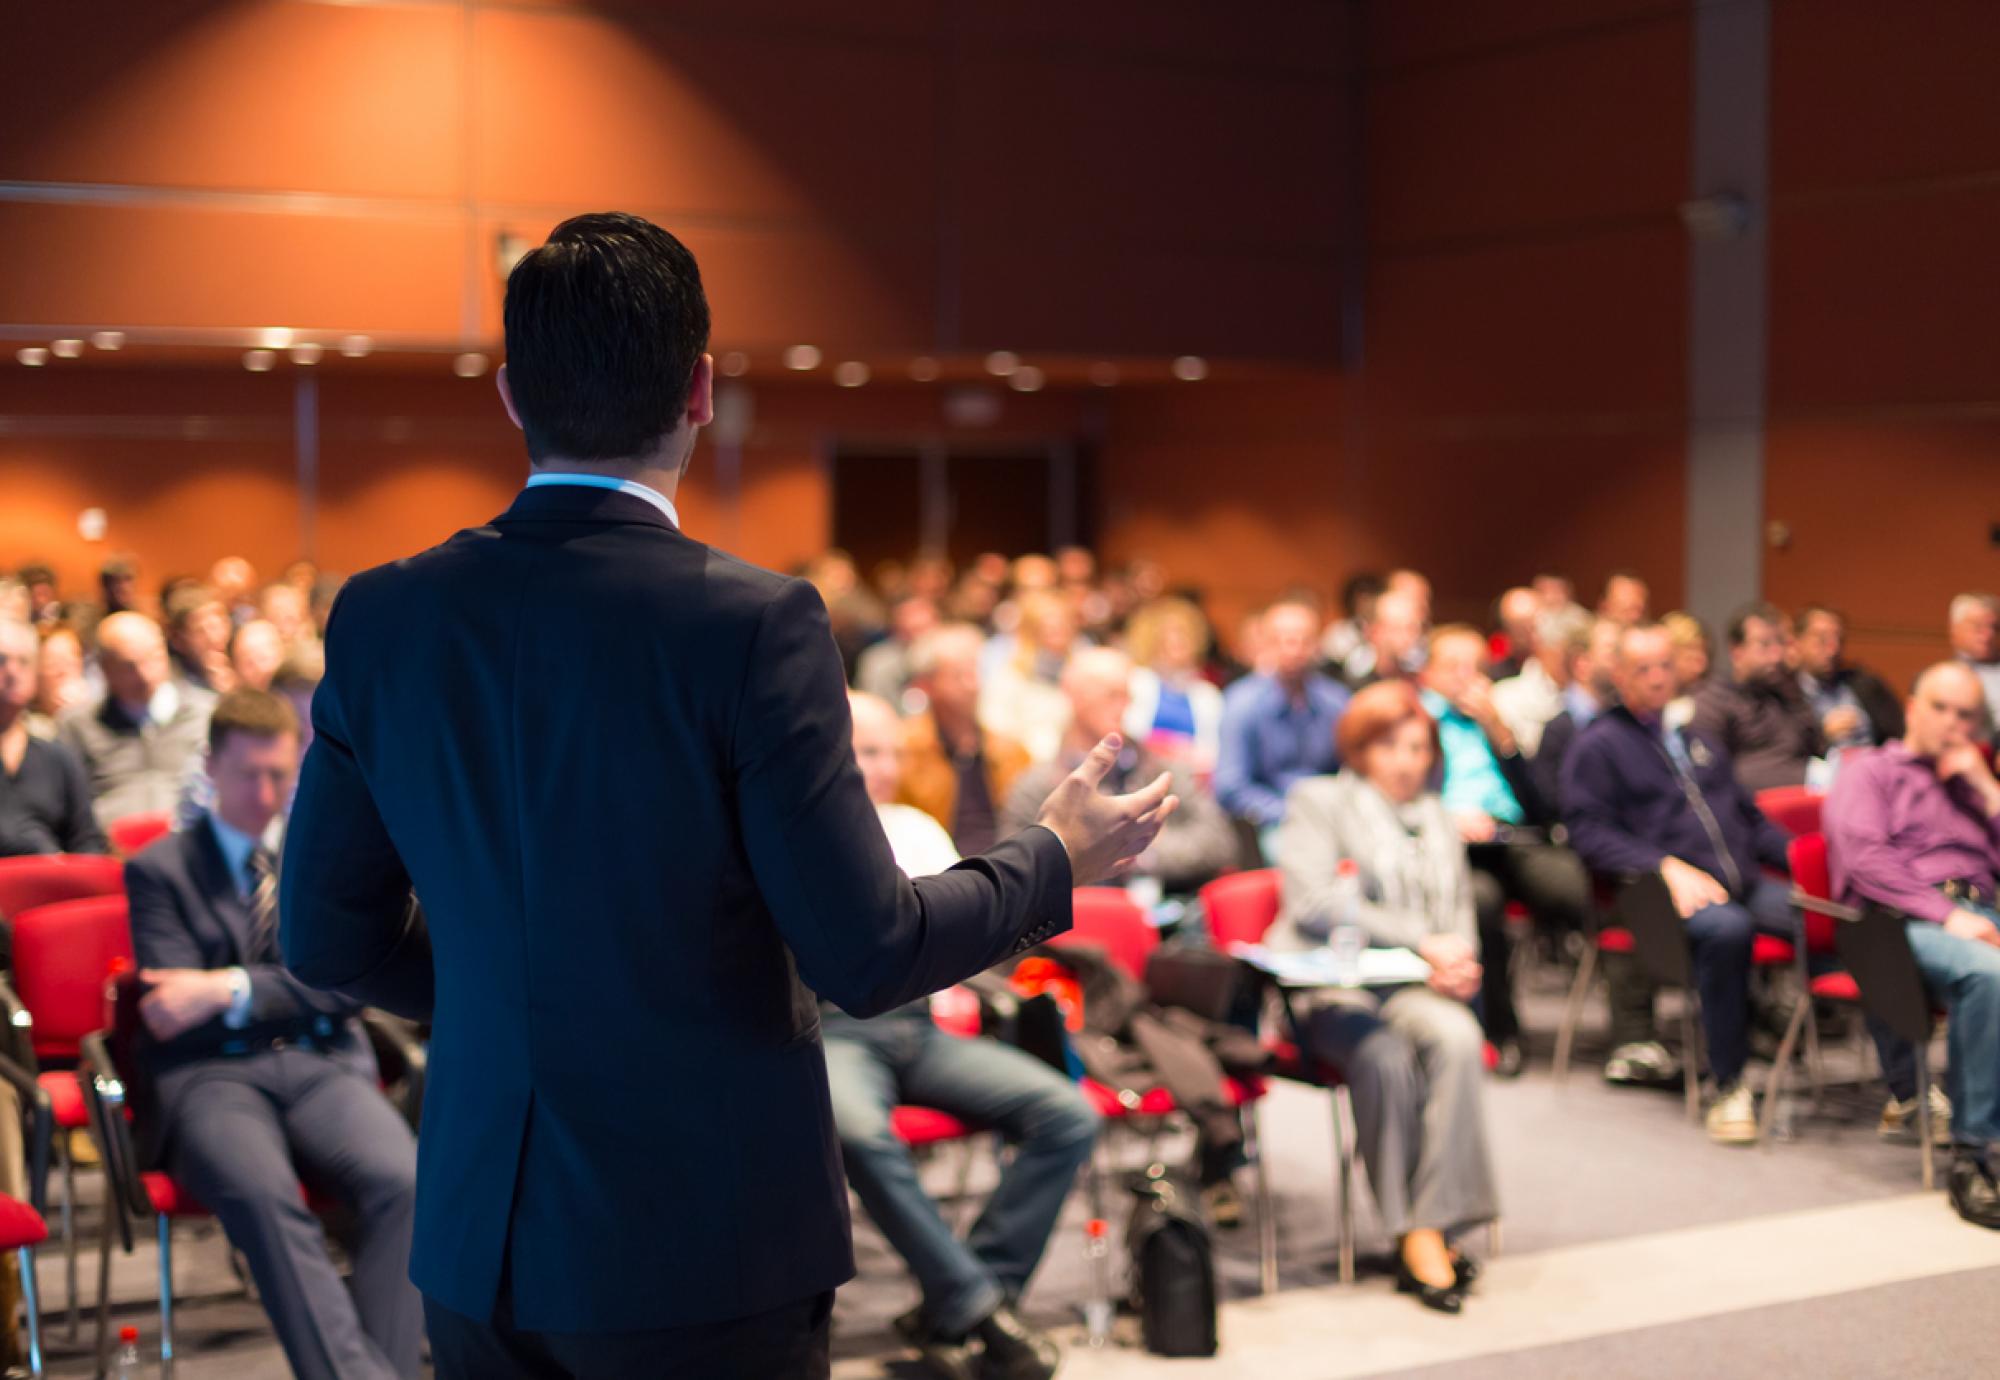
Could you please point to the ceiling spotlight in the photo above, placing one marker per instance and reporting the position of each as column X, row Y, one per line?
column 356, row 346
column 306, row 352
column 34, row 356
column 109, row 340
column 1190, row 368
column 469, row 365
column 65, row 349
column 802, row 357
column 1002, row 363
column 850, row 373
column 1027, row 379
column 923, row 369
column 274, row 337
column 259, row 361
column 1104, row 374
column 735, row 364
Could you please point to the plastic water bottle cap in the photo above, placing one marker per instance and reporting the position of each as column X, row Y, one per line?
column 1094, row 1228
column 129, row 1335
column 1348, row 868
column 120, row 964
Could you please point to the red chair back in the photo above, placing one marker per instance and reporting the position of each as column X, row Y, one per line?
column 40, row 879
column 62, row 953
column 130, row 834
column 1112, row 921
column 1792, row 808
column 1807, row 856
column 1241, row 907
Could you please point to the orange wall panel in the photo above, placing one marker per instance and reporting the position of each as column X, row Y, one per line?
column 359, row 100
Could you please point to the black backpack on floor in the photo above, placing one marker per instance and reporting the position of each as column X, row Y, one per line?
column 1173, row 1270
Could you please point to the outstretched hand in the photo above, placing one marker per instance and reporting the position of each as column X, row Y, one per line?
column 1105, row 834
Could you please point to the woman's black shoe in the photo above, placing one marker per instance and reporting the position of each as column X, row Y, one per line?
column 1447, row 1300
column 1465, row 1271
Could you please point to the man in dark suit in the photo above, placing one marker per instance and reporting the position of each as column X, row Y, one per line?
column 262, row 1082
column 615, row 767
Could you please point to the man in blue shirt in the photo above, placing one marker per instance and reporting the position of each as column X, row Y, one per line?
column 1501, row 816
column 1277, row 726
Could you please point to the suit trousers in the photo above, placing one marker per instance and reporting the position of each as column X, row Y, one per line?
column 245, row 1133
column 790, row 1342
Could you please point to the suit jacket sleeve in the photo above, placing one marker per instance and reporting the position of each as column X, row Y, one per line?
column 348, row 921
column 160, row 936
column 865, row 937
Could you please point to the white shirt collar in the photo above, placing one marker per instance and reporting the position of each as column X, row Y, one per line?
column 236, row 845
column 604, row 481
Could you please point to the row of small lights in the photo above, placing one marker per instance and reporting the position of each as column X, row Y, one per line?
column 260, row 360
column 1003, row 364
column 851, row 373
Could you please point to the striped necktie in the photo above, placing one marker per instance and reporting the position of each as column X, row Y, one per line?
column 263, row 872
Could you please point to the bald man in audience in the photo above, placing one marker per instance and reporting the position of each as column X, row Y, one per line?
column 970, row 1286
column 137, row 743
column 44, row 799
column 234, row 581
column 953, row 769
column 1518, row 611
column 1914, row 826
column 1196, row 844
column 1395, row 637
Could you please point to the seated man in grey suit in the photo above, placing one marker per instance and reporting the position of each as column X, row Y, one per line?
column 263, row 1082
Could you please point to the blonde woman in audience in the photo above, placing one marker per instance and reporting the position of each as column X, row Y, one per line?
column 1692, row 662
column 60, row 684
column 1022, row 697
column 1413, row 1055
column 1174, row 711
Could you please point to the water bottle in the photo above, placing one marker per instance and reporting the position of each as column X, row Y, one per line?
column 1347, row 940
column 125, row 1366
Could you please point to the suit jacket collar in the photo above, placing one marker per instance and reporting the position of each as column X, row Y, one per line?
column 574, row 503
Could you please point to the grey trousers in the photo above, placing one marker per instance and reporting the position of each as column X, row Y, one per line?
column 1414, row 1062
column 244, row 1133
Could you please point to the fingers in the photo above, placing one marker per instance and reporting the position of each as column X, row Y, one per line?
column 1147, row 798
column 1100, row 761
column 1157, row 816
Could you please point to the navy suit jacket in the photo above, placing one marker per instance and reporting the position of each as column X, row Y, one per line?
column 616, row 767
column 188, row 913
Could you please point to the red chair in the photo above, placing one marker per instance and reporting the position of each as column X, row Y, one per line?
column 39, row 879
column 1109, row 919
column 24, row 1225
column 1240, row 909
column 134, row 832
column 62, row 952
column 1795, row 809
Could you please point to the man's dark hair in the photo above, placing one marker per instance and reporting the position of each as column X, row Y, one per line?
column 605, row 324
column 1739, row 621
column 1806, row 616
column 1366, row 585
column 256, row 713
column 36, row 573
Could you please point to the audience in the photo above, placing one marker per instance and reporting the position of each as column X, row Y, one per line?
column 1395, row 637
column 1535, row 695
column 1022, row 698
column 1278, row 725
column 234, row 581
column 1489, row 790
column 970, row 1287
column 137, row 741
column 255, row 652
column 198, row 633
column 1975, row 640
column 1760, row 717
column 1412, row 1055
column 954, row 770
column 288, row 610
column 1346, row 636
column 1640, row 797
column 1914, row 825
column 1591, row 689
column 1517, row 613
column 1625, row 599
column 44, row 798
column 60, row 684
column 1693, row 660
column 1197, row 843
column 883, row 670
column 1174, row 711
column 260, row 1080
column 1854, row 707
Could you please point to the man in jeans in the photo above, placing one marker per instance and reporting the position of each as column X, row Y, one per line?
column 1915, row 825
column 1641, row 797
column 872, row 1065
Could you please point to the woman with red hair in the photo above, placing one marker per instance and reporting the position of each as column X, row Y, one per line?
column 1413, row 1055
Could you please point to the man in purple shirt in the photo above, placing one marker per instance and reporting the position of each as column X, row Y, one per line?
column 1915, row 825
